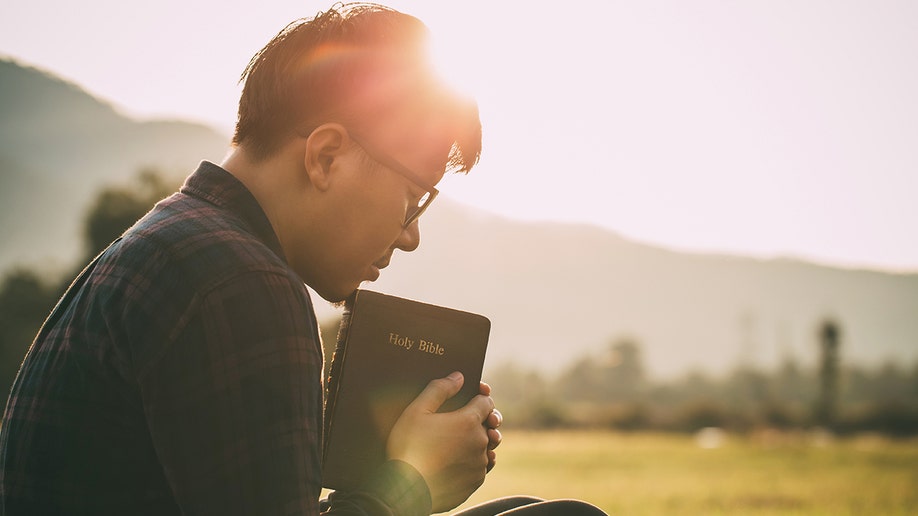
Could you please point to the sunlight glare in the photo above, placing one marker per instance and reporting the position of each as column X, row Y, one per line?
column 453, row 60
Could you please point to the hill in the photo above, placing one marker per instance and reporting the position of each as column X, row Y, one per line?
column 59, row 146
column 554, row 292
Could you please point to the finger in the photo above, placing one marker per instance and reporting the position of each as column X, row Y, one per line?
column 495, row 419
column 484, row 389
column 494, row 438
column 492, row 459
column 481, row 406
column 437, row 392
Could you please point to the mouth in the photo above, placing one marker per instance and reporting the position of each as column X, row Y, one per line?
column 383, row 262
column 377, row 266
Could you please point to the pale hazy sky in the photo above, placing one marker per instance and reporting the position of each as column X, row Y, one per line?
column 765, row 128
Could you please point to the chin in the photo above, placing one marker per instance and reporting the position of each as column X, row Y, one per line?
column 338, row 297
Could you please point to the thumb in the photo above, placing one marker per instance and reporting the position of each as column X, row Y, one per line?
column 437, row 392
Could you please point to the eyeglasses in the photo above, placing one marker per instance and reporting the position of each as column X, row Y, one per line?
column 430, row 192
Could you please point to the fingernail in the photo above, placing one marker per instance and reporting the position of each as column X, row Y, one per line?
column 455, row 376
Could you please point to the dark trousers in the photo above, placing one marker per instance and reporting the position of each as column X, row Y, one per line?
column 531, row 506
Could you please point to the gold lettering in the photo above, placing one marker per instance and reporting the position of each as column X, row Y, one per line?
column 431, row 347
column 397, row 340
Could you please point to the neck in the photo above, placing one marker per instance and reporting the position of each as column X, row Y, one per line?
column 274, row 182
column 254, row 175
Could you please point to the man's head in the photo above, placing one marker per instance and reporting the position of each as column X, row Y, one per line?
column 362, row 65
column 346, row 108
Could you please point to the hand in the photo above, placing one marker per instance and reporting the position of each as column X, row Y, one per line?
column 450, row 450
column 492, row 423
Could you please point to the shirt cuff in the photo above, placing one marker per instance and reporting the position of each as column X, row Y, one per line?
column 397, row 486
column 401, row 487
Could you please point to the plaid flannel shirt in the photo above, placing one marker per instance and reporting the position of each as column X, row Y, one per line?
column 182, row 374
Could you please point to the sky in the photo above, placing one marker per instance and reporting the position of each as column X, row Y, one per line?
column 776, row 128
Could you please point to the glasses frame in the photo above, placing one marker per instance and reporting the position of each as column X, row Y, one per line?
column 394, row 165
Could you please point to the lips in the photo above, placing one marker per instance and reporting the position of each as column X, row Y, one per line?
column 377, row 266
column 383, row 262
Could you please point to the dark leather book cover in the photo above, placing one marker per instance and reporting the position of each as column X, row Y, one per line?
column 388, row 349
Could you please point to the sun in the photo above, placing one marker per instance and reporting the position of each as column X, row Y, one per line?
column 454, row 58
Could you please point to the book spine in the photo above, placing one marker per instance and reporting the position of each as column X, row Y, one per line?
column 334, row 375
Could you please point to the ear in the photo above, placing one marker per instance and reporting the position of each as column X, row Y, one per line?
column 324, row 145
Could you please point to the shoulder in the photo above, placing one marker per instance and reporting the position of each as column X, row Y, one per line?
column 199, row 242
column 186, row 258
column 175, row 256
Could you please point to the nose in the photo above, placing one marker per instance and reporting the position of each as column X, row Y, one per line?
column 410, row 238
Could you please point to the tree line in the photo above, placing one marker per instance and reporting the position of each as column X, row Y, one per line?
column 611, row 389
column 607, row 389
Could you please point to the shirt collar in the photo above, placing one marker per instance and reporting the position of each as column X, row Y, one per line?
column 215, row 185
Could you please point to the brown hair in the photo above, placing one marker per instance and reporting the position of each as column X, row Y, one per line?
column 362, row 65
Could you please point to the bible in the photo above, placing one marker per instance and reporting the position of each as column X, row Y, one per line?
column 388, row 349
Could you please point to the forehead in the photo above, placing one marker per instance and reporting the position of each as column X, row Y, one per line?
column 424, row 152
column 412, row 116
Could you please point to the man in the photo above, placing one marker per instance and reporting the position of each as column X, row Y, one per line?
column 181, row 373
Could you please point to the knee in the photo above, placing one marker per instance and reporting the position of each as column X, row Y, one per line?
column 575, row 508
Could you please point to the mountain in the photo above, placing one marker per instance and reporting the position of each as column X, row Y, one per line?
column 555, row 292
column 59, row 146
column 558, row 292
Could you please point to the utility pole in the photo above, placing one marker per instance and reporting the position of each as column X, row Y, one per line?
column 827, row 404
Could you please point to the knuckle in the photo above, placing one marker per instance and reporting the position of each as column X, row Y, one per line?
column 475, row 421
column 482, row 441
column 470, row 421
column 479, row 464
column 439, row 384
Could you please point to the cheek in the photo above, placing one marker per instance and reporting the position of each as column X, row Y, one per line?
column 362, row 236
column 366, row 224
column 366, row 242
column 373, row 221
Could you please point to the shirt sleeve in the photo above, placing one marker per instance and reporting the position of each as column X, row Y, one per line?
column 234, row 406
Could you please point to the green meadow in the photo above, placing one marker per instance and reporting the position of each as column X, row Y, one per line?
column 670, row 474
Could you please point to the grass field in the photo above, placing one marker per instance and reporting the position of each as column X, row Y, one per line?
column 650, row 474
